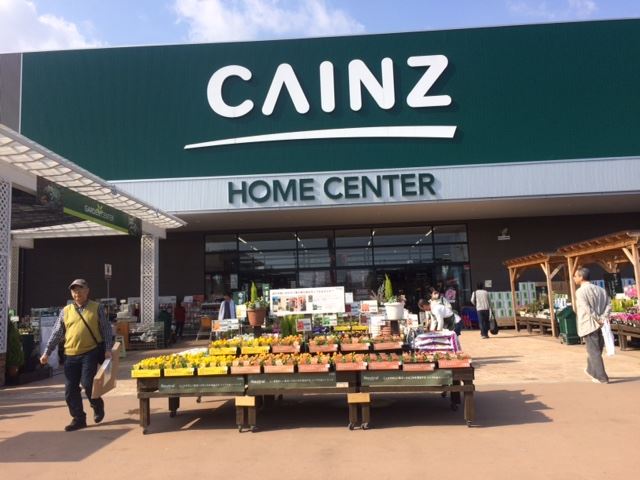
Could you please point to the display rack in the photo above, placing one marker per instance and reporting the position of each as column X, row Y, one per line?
column 146, row 337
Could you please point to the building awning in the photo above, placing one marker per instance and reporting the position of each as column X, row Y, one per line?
column 76, row 229
column 34, row 159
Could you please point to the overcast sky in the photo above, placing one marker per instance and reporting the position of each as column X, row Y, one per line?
column 28, row 25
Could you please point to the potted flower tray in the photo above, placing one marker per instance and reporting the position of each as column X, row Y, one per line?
column 418, row 367
column 203, row 371
column 354, row 347
column 394, row 365
column 223, row 351
column 178, row 372
column 278, row 368
column 245, row 369
column 350, row 366
column 387, row 346
column 455, row 363
column 254, row 350
column 150, row 373
column 313, row 367
column 285, row 348
column 323, row 348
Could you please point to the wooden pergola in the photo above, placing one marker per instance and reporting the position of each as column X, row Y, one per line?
column 550, row 263
column 609, row 252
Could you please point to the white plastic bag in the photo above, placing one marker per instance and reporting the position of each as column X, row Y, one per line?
column 608, row 338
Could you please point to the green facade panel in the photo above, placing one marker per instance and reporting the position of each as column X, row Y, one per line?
column 519, row 94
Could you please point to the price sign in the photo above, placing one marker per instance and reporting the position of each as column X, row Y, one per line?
column 107, row 271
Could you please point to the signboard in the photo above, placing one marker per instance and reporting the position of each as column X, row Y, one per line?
column 436, row 378
column 58, row 199
column 107, row 271
column 303, row 325
column 213, row 384
column 291, row 381
column 369, row 306
column 348, row 297
column 307, row 300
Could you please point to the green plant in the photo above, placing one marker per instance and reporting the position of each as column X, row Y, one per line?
column 15, row 355
column 288, row 325
column 254, row 293
column 389, row 297
column 255, row 302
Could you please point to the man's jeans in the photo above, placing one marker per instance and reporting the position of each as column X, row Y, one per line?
column 595, row 364
column 80, row 370
column 483, row 321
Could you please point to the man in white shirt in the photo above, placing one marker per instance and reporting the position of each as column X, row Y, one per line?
column 480, row 298
column 592, row 307
column 227, row 308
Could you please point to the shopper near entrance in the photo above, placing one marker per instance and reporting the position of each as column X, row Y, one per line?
column 84, row 327
column 228, row 307
column 442, row 312
column 180, row 316
column 480, row 299
column 593, row 307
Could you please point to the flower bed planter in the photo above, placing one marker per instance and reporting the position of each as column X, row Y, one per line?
column 150, row 373
column 384, row 365
column 418, row 367
column 313, row 367
column 278, row 368
column 354, row 347
column 285, row 348
column 323, row 348
column 350, row 366
column 455, row 363
column 204, row 371
column 178, row 372
column 388, row 346
column 248, row 369
column 254, row 350
column 223, row 351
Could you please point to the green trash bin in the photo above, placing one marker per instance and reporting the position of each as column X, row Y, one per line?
column 568, row 328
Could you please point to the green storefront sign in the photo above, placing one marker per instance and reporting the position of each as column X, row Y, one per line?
column 410, row 100
column 58, row 200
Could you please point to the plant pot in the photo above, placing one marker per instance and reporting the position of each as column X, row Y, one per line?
column 384, row 365
column 205, row 371
column 419, row 367
column 354, row 347
column 323, row 348
column 178, row 372
column 455, row 363
column 285, row 348
column 394, row 311
column 241, row 369
column 278, row 368
column 256, row 317
column 313, row 368
column 350, row 366
column 387, row 346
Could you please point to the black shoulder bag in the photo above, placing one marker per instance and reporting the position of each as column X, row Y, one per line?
column 101, row 345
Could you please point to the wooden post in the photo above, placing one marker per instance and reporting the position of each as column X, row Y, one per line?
column 512, row 279
column 572, row 264
column 546, row 268
column 634, row 257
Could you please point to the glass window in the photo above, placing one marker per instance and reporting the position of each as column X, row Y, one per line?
column 322, row 239
column 353, row 238
column 267, row 241
column 358, row 281
column 403, row 255
column 268, row 260
column 314, row 258
column 347, row 257
column 314, row 278
column 452, row 253
column 220, row 243
column 450, row 233
column 221, row 262
column 403, row 236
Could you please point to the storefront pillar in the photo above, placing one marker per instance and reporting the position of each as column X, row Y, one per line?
column 149, row 263
column 5, row 252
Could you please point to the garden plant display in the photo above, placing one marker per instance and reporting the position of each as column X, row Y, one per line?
column 383, row 361
column 349, row 343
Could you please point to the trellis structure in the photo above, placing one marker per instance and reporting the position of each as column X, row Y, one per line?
column 609, row 252
column 550, row 263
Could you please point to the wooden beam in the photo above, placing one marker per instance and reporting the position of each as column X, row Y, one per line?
column 635, row 261
column 552, row 314
column 572, row 264
column 512, row 281
column 628, row 253
column 556, row 271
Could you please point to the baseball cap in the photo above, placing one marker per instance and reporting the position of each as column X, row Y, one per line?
column 79, row 282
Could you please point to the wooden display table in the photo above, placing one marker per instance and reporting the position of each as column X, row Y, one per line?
column 624, row 332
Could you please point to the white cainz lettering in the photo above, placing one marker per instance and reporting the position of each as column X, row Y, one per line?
column 285, row 77
column 327, row 88
column 214, row 92
column 382, row 92
column 418, row 98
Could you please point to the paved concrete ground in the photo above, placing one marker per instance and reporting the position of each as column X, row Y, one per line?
column 538, row 416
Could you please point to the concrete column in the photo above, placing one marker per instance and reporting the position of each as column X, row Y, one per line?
column 149, row 263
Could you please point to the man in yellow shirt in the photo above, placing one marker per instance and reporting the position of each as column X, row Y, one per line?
column 86, row 331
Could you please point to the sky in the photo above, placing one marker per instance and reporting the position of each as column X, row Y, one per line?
column 35, row 25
